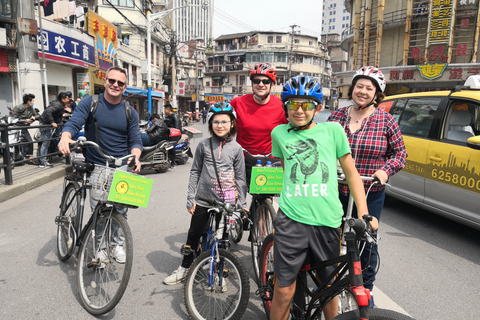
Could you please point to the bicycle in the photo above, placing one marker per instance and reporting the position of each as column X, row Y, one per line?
column 207, row 293
column 102, row 277
column 345, row 282
column 262, row 216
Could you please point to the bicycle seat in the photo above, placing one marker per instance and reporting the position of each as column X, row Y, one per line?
column 82, row 166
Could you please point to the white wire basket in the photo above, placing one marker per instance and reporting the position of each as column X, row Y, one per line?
column 101, row 181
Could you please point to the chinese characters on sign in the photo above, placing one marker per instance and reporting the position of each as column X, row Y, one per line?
column 105, row 35
column 60, row 47
column 440, row 21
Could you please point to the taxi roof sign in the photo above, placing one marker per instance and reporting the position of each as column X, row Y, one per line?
column 473, row 82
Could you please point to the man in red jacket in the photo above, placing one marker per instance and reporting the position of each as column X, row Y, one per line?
column 257, row 115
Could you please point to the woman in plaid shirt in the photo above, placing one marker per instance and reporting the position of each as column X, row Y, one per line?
column 376, row 143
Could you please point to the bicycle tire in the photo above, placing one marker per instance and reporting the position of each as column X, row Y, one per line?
column 347, row 302
column 265, row 282
column 216, row 302
column 66, row 235
column 102, row 283
column 374, row 314
column 236, row 230
column 264, row 216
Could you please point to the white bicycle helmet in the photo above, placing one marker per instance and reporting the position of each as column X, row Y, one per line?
column 374, row 74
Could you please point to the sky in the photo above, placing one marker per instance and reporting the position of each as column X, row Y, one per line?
column 236, row 16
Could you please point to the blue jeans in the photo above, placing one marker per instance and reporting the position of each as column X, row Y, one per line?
column 375, row 203
column 145, row 139
column 46, row 134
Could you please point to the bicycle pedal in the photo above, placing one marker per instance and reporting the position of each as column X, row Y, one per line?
column 61, row 220
column 186, row 250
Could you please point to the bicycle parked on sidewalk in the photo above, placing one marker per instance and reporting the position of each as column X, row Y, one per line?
column 217, row 284
column 345, row 282
column 102, row 277
column 262, row 215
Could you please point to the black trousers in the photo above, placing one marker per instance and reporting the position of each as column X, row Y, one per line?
column 27, row 138
column 198, row 224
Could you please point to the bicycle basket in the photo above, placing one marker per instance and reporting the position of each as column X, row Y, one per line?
column 101, row 180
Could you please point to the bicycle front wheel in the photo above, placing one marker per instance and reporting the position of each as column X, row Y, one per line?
column 66, row 236
column 226, row 297
column 103, row 271
column 266, row 281
column 262, row 227
column 374, row 314
column 236, row 229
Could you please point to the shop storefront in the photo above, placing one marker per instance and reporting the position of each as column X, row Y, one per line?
column 67, row 52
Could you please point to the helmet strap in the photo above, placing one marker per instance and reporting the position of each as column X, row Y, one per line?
column 365, row 106
column 304, row 127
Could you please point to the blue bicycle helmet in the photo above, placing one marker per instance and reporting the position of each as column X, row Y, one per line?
column 302, row 87
column 221, row 108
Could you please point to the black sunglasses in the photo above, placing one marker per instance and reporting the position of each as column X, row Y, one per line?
column 264, row 81
column 112, row 82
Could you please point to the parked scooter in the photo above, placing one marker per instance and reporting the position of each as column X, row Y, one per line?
column 181, row 143
column 14, row 136
column 156, row 157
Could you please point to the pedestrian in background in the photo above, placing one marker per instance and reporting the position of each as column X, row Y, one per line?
column 27, row 112
column 53, row 115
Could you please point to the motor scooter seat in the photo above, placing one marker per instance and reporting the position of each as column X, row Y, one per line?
column 82, row 166
column 150, row 148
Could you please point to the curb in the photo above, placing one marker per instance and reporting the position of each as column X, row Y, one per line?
column 28, row 179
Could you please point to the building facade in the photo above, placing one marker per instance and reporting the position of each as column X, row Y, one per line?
column 230, row 60
column 419, row 45
column 335, row 17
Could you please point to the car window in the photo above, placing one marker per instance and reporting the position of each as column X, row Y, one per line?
column 462, row 120
column 417, row 116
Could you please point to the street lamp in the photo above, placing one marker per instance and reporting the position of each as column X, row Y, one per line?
column 150, row 18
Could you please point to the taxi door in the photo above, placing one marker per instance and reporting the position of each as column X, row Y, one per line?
column 452, row 182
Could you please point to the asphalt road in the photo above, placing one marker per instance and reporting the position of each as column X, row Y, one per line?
column 429, row 265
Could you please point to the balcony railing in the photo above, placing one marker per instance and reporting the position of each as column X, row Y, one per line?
column 389, row 18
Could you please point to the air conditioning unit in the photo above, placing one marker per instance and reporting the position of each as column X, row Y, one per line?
column 3, row 37
column 159, row 3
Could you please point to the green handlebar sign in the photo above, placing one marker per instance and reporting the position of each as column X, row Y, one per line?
column 268, row 180
column 130, row 189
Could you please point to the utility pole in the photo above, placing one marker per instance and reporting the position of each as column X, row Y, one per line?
column 29, row 73
column 294, row 26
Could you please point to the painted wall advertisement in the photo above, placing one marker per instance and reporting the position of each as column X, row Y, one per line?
column 105, row 36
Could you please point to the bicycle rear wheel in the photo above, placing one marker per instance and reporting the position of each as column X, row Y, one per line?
column 66, row 236
column 227, row 298
column 262, row 227
column 101, row 280
column 266, row 281
column 374, row 314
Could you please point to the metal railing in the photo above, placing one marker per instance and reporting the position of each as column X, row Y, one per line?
column 7, row 164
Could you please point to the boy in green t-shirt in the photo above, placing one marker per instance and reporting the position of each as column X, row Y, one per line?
column 310, row 212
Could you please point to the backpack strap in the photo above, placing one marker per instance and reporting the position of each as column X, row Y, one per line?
column 91, row 116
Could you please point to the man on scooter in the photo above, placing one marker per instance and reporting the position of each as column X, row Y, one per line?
column 157, row 132
column 26, row 111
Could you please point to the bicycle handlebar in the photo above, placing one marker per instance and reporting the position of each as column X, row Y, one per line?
column 260, row 154
column 82, row 142
column 362, row 228
column 227, row 207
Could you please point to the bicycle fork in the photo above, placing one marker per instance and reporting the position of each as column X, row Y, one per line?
column 222, row 274
column 355, row 270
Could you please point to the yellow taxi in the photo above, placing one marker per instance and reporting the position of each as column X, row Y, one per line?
column 441, row 130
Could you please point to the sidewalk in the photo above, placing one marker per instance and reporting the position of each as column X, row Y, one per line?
column 28, row 177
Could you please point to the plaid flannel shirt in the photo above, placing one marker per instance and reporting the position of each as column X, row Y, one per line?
column 378, row 144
